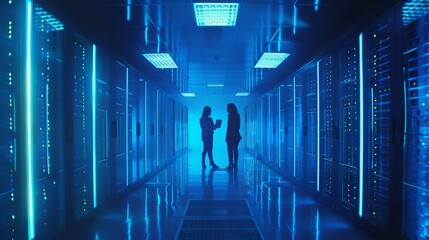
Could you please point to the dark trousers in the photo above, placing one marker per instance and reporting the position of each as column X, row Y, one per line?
column 233, row 152
column 208, row 149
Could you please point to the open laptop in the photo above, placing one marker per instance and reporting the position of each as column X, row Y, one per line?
column 218, row 123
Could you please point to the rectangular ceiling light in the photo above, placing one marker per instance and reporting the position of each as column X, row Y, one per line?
column 188, row 94
column 215, row 14
column 414, row 9
column 160, row 60
column 45, row 22
column 215, row 85
column 271, row 60
column 242, row 94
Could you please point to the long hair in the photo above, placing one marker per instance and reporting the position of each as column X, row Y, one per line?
column 232, row 108
column 206, row 111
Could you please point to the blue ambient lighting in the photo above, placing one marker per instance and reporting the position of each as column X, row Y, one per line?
column 361, row 124
column 29, row 120
column 188, row 94
column 128, row 10
column 413, row 10
column 145, row 127
column 48, row 156
column 294, row 128
column 405, row 114
column 242, row 94
column 271, row 60
column 94, row 124
column 216, row 14
column 295, row 13
column 318, row 125
column 157, row 128
column 160, row 60
column 316, row 5
column 215, row 85
column 49, row 22
column 279, row 121
column 126, row 127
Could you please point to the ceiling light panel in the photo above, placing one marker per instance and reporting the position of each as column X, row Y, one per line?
column 271, row 60
column 242, row 94
column 216, row 14
column 160, row 60
column 188, row 94
column 414, row 9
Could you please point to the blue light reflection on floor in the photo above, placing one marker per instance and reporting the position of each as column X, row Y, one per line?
column 280, row 210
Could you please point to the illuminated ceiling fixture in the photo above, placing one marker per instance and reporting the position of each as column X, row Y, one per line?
column 271, row 60
column 188, row 94
column 160, row 60
column 45, row 22
column 414, row 9
column 215, row 85
column 215, row 14
column 242, row 94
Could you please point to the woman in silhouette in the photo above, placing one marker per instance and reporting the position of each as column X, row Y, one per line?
column 233, row 136
column 207, row 130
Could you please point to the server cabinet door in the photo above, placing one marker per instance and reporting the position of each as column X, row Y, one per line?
column 349, row 162
column 132, row 126
column 416, row 197
column 328, row 125
column 120, row 81
column 289, row 167
column 299, row 127
column 10, row 197
column 379, row 62
column 151, row 128
column 141, row 130
column 82, row 126
column 103, row 114
column 310, row 126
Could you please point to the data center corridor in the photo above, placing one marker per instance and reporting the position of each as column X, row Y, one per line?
column 183, row 201
column 101, row 100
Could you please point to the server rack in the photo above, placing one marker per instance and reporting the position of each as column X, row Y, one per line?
column 416, row 51
column 328, row 135
column 10, row 196
column 379, row 58
column 160, row 133
column 58, row 140
column 275, row 118
column 151, row 142
column 48, row 129
column 282, row 128
column 82, row 126
column 132, row 125
column 141, row 129
column 289, row 167
column 349, row 119
column 120, row 135
column 310, row 124
column 299, row 127
column 103, row 126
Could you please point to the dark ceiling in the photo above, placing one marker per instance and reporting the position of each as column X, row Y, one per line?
column 215, row 55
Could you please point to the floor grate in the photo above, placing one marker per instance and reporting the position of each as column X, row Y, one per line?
column 217, row 208
column 218, row 219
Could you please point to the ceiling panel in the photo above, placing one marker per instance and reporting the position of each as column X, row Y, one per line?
column 225, row 55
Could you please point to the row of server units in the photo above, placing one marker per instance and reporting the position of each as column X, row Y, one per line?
column 352, row 125
column 79, row 128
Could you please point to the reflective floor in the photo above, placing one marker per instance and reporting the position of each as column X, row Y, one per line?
column 185, row 202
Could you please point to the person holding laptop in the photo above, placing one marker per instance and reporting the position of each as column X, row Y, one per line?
column 207, row 130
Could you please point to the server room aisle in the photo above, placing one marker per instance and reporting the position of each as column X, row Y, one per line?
column 185, row 202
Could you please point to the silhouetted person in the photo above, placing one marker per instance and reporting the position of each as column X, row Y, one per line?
column 207, row 130
column 233, row 136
